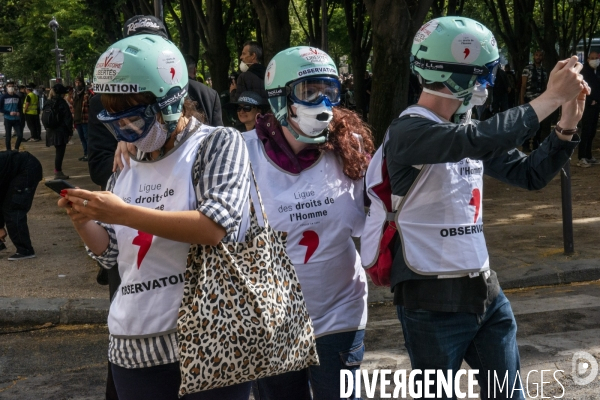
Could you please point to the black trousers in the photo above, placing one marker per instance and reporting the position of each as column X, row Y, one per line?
column 34, row 125
column 59, row 156
column 17, row 204
column 589, row 124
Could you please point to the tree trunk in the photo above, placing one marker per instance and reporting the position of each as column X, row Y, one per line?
column 394, row 24
column 212, row 30
column 361, row 46
column 275, row 26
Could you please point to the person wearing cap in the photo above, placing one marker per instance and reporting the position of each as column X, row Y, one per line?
column 31, row 109
column 12, row 106
column 59, row 137
column 248, row 106
column 184, row 201
column 448, row 298
column 309, row 157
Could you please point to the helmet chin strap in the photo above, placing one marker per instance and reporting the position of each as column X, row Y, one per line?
column 456, row 117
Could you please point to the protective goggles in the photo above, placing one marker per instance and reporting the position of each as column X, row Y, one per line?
column 312, row 91
column 485, row 75
column 129, row 125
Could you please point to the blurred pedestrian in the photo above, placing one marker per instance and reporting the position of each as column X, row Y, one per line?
column 11, row 106
column 533, row 83
column 31, row 109
column 589, row 121
column 59, row 136
column 248, row 106
column 81, row 98
column 20, row 174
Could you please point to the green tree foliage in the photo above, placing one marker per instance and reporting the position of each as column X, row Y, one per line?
column 24, row 25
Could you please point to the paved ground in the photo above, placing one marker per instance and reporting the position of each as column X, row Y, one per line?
column 523, row 231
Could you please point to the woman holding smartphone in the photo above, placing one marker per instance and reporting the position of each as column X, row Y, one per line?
column 188, row 183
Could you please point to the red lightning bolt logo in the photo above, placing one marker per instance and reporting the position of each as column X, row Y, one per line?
column 476, row 201
column 172, row 73
column 467, row 52
column 144, row 240
column 310, row 239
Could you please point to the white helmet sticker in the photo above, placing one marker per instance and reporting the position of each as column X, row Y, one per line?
column 108, row 66
column 493, row 41
column 170, row 67
column 465, row 48
column 425, row 31
column 270, row 74
column 315, row 56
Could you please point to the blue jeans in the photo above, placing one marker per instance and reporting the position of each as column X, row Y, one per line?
column 15, row 124
column 162, row 383
column 338, row 351
column 82, row 130
column 487, row 342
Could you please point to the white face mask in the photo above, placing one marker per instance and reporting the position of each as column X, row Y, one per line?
column 594, row 63
column 243, row 66
column 154, row 140
column 479, row 97
column 313, row 120
column 10, row 90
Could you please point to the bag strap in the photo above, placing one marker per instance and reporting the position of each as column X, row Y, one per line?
column 256, row 199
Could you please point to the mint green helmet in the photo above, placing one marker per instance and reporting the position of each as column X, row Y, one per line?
column 145, row 63
column 292, row 65
column 457, row 51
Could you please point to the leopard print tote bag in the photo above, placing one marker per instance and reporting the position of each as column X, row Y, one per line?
column 243, row 315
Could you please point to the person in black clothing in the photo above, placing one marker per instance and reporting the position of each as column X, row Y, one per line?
column 20, row 174
column 501, row 92
column 206, row 98
column 252, row 77
column 21, row 93
column 589, row 120
column 59, row 137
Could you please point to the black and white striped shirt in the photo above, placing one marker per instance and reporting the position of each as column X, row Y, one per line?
column 221, row 181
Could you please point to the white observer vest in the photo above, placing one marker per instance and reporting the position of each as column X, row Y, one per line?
column 320, row 209
column 151, row 267
column 440, row 220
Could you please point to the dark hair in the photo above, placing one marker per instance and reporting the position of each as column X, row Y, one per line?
column 190, row 61
column 255, row 49
column 119, row 102
column 79, row 79
column 343, row 141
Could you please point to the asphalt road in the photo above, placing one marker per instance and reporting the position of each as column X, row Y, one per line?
column 68, row 361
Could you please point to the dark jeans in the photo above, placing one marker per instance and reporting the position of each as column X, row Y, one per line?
column 17, row 204
column 589, row 124
column 15, row 124
column 82, row 130
column 34, row 125
column 59, row 156
column 487, row 342
column 162, row 383
column 338, row 351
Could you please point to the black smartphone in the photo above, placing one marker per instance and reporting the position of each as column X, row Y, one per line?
column 58, row 184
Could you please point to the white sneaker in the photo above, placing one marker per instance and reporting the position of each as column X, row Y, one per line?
column 583, row 163
column 593, row 161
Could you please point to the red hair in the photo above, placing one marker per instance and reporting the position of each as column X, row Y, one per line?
column 343, row 141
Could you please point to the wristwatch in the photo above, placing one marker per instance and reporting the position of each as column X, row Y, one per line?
column 566, row 132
